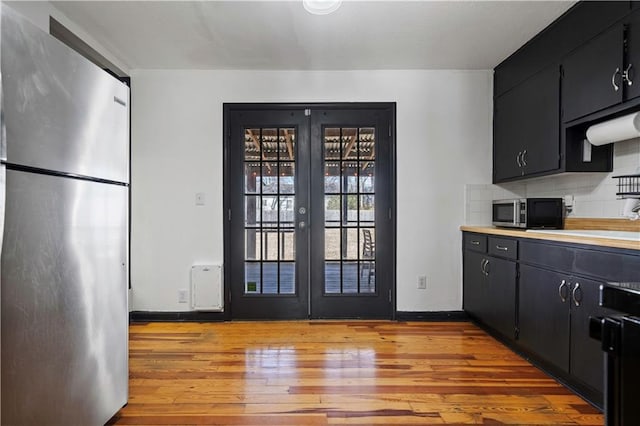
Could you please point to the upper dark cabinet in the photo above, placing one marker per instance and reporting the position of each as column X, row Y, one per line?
column 578, row 25
column 601, row 73
column 593, row 75
column 596, row 45
column 527, row 127
column 632, row 48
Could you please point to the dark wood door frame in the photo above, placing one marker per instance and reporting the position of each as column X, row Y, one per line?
column 228, row 108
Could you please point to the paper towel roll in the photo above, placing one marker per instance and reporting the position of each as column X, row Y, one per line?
column 618, row 129
column 630, row 210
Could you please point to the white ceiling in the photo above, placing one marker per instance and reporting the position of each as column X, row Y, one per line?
column 282, row 35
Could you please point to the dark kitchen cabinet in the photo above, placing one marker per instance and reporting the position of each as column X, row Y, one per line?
column 633, row 56
column 500, row 296
column 527, row 127
column 554, row 322
column 474, row 283
column 587, row 359
column 532, row 98
column 561, row 293
column 548, row 290
column 585, row 20
column 543, row 319
column 474, row 274
column 489, row 286
column 593, row 75
column 601, row 73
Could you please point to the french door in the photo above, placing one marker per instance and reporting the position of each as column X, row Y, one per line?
column 309, row 197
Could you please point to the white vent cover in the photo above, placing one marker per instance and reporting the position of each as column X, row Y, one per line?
column 206, row 288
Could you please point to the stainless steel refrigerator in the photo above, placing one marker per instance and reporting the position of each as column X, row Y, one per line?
column 65, row 174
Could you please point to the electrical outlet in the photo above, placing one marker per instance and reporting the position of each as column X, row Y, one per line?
column 569, row 200
column 183, row 295
column 200, row 199
column 422, row 282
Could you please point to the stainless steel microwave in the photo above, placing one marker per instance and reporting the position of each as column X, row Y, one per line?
column 529, row 213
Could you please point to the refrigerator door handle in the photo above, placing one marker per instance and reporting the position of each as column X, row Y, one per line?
column 3, row 130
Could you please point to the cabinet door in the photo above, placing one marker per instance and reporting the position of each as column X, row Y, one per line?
column 506, row 136
column 500, row 297
column 587, row 358
column 633, row 56
column 543, row 315
column 474, row 282
column 541, row 126
column 591, row 74
column 527, row 123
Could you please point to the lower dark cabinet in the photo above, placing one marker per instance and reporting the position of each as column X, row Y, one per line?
column 489, row 287
column 474, row 283
column 544, row 315
column 554, row 322
column 587, row 358
column 500, row 313
column 548, row 290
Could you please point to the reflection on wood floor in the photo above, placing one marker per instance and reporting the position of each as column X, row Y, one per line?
column 343, row 372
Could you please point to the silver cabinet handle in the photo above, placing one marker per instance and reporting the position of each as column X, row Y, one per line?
column 574, row 294
column 613, row 80
column 625, row 75
column 502, row 248
column 560, row 293
column 483, row 266
column 475, row 243
column 524, row 161
column 518, row 159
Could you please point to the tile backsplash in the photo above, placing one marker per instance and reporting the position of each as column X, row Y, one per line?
column 594, row 193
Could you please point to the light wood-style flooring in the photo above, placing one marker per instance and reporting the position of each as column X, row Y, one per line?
column 342, row 372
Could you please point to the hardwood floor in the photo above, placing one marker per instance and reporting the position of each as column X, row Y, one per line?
column 346, row 372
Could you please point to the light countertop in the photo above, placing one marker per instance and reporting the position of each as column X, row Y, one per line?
column 577, row 239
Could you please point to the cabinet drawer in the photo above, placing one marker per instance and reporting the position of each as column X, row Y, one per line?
column 503, row 247
column 547, row 255
column 607, row 266
column 475, row 242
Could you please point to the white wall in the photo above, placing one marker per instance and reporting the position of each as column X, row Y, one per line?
column 443, row 142
column 594, row 194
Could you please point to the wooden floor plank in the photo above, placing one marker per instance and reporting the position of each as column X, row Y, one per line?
column 337, row 373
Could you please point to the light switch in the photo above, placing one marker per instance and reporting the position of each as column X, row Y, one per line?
column 200, row 199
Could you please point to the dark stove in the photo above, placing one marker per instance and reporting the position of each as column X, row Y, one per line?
column 620, row 338
column 621, row 297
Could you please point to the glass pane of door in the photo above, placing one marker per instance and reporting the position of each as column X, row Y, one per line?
column 349, row 210
column 269, row 203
